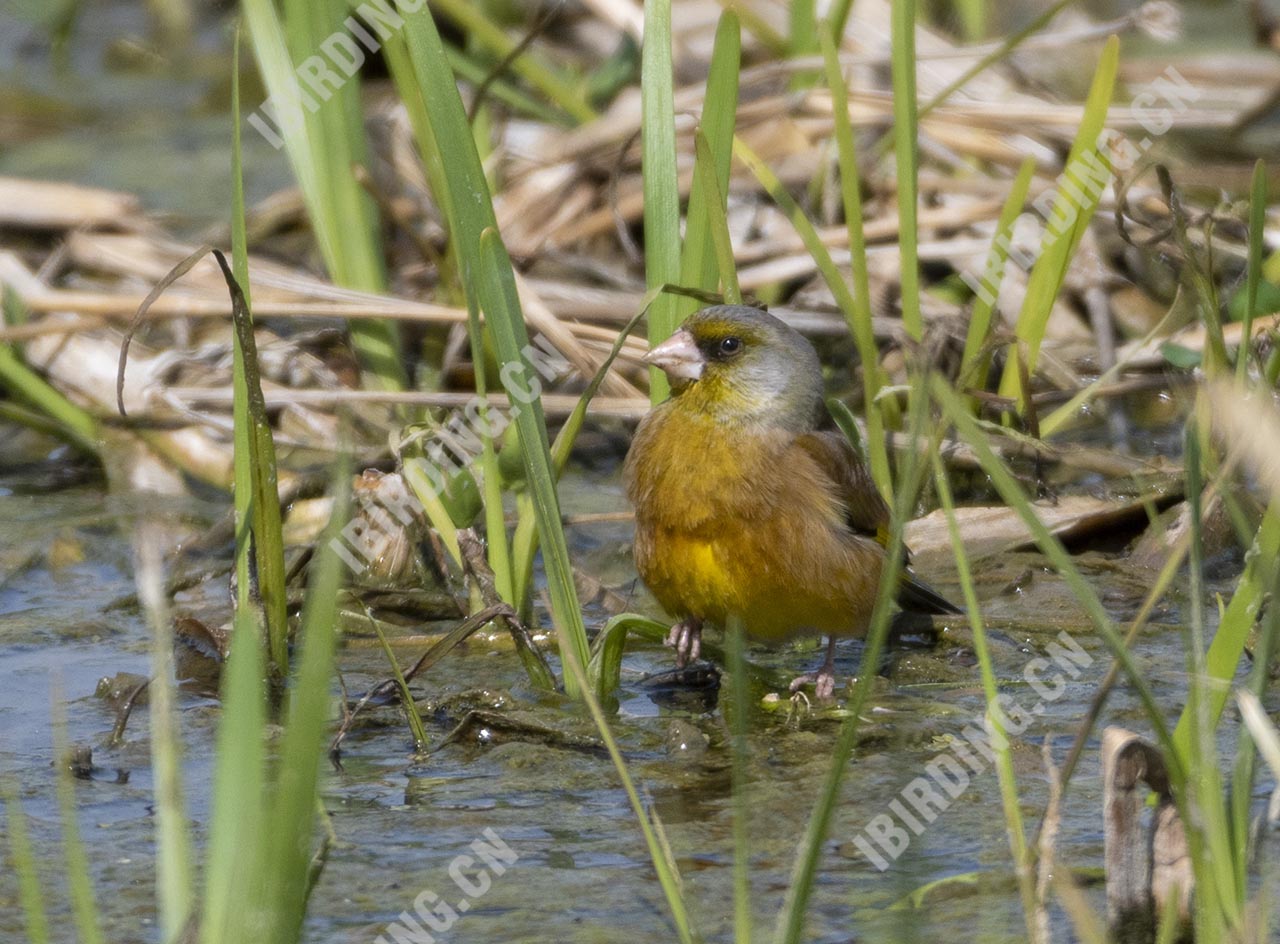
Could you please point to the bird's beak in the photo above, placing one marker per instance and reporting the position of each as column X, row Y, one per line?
column 678, row 357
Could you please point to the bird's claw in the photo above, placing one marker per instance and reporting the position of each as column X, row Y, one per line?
column 824, row 680
column 686, row 638
column 824, row 683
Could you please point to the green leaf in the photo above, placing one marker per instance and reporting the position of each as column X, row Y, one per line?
column 1181, row 357
column 462, row 190
column 604, row 670
column 1237, row 620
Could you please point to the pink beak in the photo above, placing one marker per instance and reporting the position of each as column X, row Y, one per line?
column 678, row 357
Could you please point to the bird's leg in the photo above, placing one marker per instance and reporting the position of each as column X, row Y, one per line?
column 824, row 680
column 686, row 638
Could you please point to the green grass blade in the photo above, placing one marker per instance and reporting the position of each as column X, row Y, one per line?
column 1006, row 46
column 659, row 853
column 1257, row 221
column 468, row 207
column 264, row 518
column 410, row 90
column 235, row 860
column 1009, row 490
column 324, row 139
column 661, row 185
column 520, row 102
column 1217, row 899
column 702, row 263
column 506, row 325
column 416, row 727
column 471, row 18
column 294, row 799
column 495, row 521
column 1014, row 828
column 1201, row 278
column 72, row 423
column 859, row 315
column 848, row 424
column 242, row 455
column 605, row 668
column 1261, row 571
column 973, row 18
column 791, row 917
column 1073, row 208
column 759, row 27
column 976, row 360
column 906, row 150
column 1232, row 635
column 837, row 19
column 175, row 876
column 524, row 542
column 803, row 27
column 803, row 226
column 1242, row 779
column 735, row 648
column 1071, row 410
column 23, row 860
column 231, row 908
column 717, row 224
column 84, row 908
column 437, row 514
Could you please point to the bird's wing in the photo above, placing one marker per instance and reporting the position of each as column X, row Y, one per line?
column 867, row 513
column 865, row 509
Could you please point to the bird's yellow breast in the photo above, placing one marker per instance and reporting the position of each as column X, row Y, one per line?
column 738, row 521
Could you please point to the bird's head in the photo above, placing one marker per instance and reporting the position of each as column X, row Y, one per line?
column 742, row 365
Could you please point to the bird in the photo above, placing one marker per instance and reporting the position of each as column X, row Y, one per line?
column 745, row 507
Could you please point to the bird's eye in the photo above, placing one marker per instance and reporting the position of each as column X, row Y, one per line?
column 730, row 346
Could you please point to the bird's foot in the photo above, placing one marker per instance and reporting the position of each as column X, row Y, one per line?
column 686, row 638
column 824, row 680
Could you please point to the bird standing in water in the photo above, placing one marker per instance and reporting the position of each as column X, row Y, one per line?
column 744, row 508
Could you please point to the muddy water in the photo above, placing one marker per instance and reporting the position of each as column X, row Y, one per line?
column 113, row 108
column 582, row 872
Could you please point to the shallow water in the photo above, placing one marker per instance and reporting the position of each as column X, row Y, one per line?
column 582, row 872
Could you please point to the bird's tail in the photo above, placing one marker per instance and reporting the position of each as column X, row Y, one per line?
column 915, row 596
